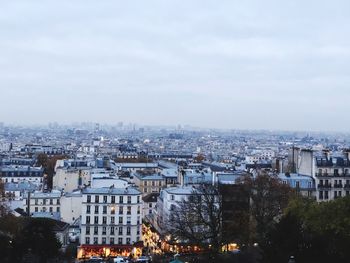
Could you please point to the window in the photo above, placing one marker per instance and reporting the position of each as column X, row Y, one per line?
column 145, row 183
column 50, row 209
column 120, row 210
column 320, row 194
column 326, row 195
column 138, row 199
column 120, row 220
column 145, row 190
column 87, row 230
column 112, row 210
column 153, row 183
column 128, row 231
column 128, row 212
column 297, row 184
column 172, row 197
column 104, row 230
column 36, row 209
column 88, row 199
column 150, row 205
column 138, row 220
column 87, row 240
column 111, row 241
column 58, row 209
column 96, row 220
column 129, row 199
column 96, row 209
column 138, row 210
column 95, row 240
column 105, row 199
column 58, row 201
column 128, row 220
column 112, row 230
column 88, row 220
column 96, row 230
column 51, row 202
column 121, row 199
column 44, row 209
column 112, row 220
column 120, row 231
column 88, row 209
column 120, row 240
column 44, row 201
column 113, row 199
column 104, row 220
column 96, row 198
column 128, row 240
column 104, row 211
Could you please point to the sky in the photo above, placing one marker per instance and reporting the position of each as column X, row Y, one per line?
column 222, row 64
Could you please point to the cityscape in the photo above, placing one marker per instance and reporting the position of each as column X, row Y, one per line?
column 112, row 192
column 174, row 131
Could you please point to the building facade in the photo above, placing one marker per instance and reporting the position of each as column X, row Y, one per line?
column 111, row 222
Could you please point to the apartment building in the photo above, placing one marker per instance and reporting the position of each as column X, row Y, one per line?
column 111, row 222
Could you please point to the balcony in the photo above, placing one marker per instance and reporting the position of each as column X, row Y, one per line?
column 324, row 175
column 324, row 186
column 338, row 186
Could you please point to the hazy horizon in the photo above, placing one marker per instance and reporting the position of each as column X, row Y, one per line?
column 257, row 65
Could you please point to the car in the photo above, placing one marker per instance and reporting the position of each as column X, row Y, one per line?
column 143, row 259
column 120, row 260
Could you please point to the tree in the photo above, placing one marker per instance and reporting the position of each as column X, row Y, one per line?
column 196, row 220
column 37, row 238
column 3, row 206
column 312, row 232
column 49, row 163
column 269, row 197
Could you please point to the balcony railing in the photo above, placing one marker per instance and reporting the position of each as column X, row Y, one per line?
column 324, row 186
column 338, row 185
column 347, row 186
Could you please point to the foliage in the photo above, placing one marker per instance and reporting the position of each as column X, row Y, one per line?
column 312, row 232
column 25, row 236
column 269, row 197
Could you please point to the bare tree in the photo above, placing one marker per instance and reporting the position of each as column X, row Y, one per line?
column 196, row 220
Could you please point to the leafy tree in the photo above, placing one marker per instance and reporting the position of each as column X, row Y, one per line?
column 312, row 232
column 36, row 237
column 269, row 197
column 197, row 219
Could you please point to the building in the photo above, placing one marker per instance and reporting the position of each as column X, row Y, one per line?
column 111, row 222
column 42, row 204
column 330, row 171
column 149, row 204
column 303, row 184
column 71, row 206
column 71, row 178
column 20, row 173
column 149, row 183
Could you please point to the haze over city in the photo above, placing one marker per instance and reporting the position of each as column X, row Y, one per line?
column 221, row 64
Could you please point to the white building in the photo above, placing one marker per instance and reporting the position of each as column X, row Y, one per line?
column 71, row 206
column 71, row 178
column 167, row 200
column 44, row 204
column 111, row 221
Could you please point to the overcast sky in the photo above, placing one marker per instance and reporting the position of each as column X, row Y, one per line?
column 224, row 64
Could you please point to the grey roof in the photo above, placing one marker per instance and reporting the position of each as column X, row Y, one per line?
column 112, row 191
column 21, row 186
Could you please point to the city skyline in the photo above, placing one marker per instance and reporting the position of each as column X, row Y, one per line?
column 227, row 65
